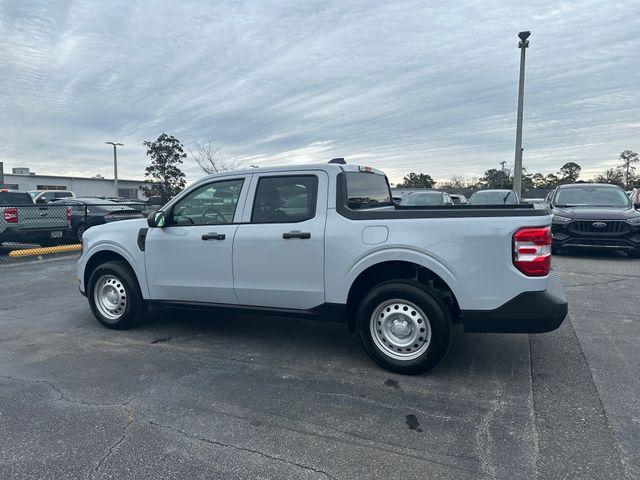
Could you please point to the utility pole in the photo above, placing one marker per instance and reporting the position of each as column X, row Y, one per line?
column 523, row 44
column 115, row 165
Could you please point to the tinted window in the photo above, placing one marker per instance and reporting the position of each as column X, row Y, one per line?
column 285, row 199
column 591, row 196
column 8, row 199
column 62, row 194
column 493, row 198
column 366, row 190
column 423, row 199
column 211, row 204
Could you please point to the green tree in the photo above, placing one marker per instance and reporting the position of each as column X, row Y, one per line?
column 417, row 180
column 494, row 178
column 551, row 181
column 569, row 172
column 538, row 180
column 615, row 176
column 629, row 159
column 163, row 176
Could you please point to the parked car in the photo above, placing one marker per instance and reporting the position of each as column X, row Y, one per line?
column 534, row 200
column 146, row 207
column 426, row 198
column 46, row 196
column 89, row 212
column 549, row 196
column 594, row 216
column 635, row 198
column 22, row 221
column 458, row 198
column 327, row 242
column 494, row 197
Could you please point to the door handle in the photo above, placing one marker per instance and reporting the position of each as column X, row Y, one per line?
column 296, row 234
column 213, row 236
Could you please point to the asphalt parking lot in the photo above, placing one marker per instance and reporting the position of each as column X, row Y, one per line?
column 196, row 395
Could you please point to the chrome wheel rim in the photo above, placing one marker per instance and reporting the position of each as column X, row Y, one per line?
column 400, row 329
column 110, row 297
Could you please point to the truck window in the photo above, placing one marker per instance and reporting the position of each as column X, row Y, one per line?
column 367, row 190
column 285, row 199
column 211, row 204
column 9, row 199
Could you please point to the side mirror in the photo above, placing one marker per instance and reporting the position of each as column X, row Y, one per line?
column 156, row 219
column 41, row 200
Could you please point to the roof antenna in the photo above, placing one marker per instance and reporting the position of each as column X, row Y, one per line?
column 339, row 161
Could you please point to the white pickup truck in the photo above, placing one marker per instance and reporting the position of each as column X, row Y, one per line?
column 327, row 242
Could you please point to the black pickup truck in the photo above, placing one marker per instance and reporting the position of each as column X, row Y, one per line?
column 22, row 221
column 592, row 215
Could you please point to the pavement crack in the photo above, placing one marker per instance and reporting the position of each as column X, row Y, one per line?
column 243, row 449
column 113, row 447
column 614, row 437
column 532, row 415
column 484, row 438
column 64, row 397
column 588, row 284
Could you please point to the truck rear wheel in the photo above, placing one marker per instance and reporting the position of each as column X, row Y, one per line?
column 114, row 296
column 404, row 327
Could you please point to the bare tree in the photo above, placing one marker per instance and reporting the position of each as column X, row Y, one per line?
column 210, row 159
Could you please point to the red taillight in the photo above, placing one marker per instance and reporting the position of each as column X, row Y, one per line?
column 11, row 215
column 532, row 251
column 68, row 216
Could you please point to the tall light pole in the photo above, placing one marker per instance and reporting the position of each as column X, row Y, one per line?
column 523, row 44
column 115, row 165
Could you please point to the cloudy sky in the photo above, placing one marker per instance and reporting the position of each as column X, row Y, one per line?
column 403, row 86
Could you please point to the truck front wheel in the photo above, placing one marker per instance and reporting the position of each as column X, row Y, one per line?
column 114, row 296
column 404, row 327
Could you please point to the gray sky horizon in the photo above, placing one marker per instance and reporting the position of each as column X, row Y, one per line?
column 402, row 86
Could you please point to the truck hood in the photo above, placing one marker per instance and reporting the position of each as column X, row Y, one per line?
column 121, row 225
column 596, row 213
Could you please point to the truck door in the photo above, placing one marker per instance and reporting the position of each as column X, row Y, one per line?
column 190, row 258
column 278, row 252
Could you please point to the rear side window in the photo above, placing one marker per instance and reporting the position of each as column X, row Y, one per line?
column 8, row 199
column 367, row 190
column 285, row 199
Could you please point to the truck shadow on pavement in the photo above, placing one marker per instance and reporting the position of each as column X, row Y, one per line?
column 303, row 344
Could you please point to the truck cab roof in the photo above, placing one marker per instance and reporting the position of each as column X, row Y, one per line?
column 327, row 167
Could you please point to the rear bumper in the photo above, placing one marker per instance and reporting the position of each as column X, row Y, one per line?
column 11, row 234
column 529, row 312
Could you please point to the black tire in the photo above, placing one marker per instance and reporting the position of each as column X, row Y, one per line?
column 80, row 229
column 437, row 316
column 635, row 253
column 554, row 249
column 52, row 242
column 125, row 284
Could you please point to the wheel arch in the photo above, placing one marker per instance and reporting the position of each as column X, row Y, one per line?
column 387, row 270
column 107, row 255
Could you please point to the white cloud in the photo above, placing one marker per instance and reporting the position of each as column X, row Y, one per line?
column 405, row 86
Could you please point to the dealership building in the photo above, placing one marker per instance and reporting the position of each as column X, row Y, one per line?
column 23, row 179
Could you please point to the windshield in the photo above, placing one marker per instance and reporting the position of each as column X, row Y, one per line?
column 33, row 193
column 422, row 199
column 496, row 197
column 591, row 197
